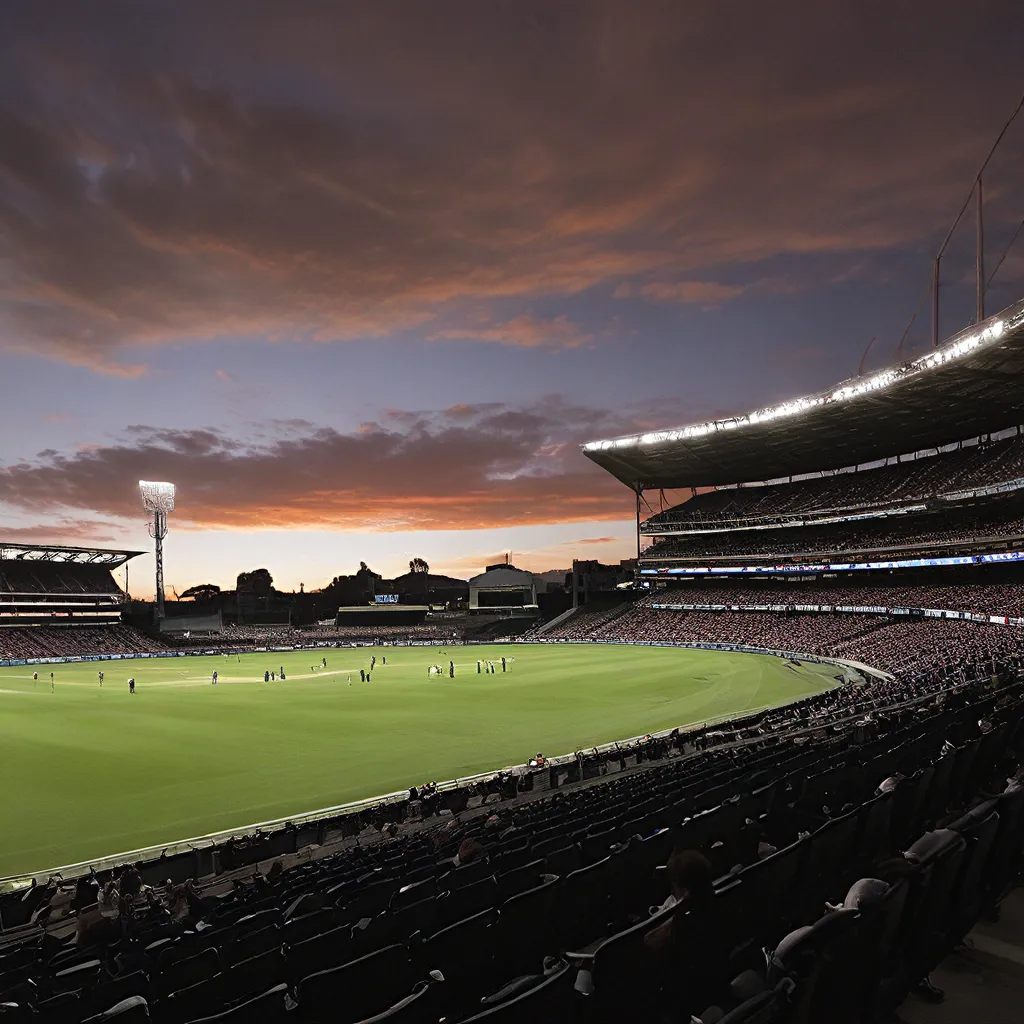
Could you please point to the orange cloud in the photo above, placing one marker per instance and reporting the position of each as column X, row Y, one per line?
column 471, row 467
column 525, row 331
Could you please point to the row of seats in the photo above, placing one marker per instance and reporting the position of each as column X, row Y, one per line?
column 913, row 480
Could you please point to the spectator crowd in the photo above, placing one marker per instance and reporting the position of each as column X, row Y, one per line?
column 949, row 530
column 914, row 480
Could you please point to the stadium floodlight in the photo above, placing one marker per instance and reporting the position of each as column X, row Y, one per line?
column 158, row 500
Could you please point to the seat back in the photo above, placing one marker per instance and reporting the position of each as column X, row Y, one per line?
column 251, row 944
column 550, row 1001
column 331, row 949
column 522, row 920
column 464, row 954
column 270, row 1007
column 133, row 1010
column 817, row 958
column 187, row 972
column 582, row 904
column 257, row 974
column 519, row 879
column 366, row 986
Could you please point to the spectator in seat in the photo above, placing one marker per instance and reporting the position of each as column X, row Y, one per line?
column 469, row 851
column 691, row 883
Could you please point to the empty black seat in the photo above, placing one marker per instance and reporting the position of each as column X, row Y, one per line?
column 182, row 974
column 271, row 1007
column 463, row 953
column 82, row 975
column 331, row 949
column 519, row 879
column 304, row 926
column 545, row 999
column 522, row 921
column 133, row 1010
column 470, row 899
column 362, row 988
column 257, row 974
column 251, row 944
column 415, row 893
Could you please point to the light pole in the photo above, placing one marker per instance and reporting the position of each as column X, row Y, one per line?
column 158, row 500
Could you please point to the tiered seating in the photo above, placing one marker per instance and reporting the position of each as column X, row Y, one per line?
column 30, row 576
column 975, row 527
column 558, row 910
column 990, row 599
column 971, row 467
column 19, row 643
column 586, row 621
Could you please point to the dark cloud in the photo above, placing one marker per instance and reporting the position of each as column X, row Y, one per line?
column 329, row 171
column 469, row 467
column 63, row 530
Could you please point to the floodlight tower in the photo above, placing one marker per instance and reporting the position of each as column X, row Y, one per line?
column 158, row 500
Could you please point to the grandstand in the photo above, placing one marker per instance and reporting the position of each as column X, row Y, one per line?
column 42, row 584
column 920, row 466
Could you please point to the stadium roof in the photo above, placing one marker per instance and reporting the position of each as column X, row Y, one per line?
column 502, row 576
column 972, row 384
column 65, row 553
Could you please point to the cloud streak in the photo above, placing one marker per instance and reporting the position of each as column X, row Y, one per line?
column 468, row 467
column 329, row 173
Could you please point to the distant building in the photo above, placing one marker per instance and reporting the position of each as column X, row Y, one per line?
column 428, row 588
column 592, row 577
column 502, row 586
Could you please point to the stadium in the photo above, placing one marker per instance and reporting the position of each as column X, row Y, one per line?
column 836, row 603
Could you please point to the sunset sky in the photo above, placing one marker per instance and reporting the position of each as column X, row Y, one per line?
column 359, row 278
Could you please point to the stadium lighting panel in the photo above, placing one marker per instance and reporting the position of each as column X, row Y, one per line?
column 158, row 501
column 157, row 496
column 955, row 349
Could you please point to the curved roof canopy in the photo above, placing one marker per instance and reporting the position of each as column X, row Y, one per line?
column 972, row 384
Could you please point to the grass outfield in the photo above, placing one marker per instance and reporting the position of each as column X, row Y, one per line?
column 90, row 772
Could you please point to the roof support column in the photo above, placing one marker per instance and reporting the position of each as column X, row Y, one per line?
column 639, row 491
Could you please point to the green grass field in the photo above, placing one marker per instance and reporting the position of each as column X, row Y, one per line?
column 91, row 772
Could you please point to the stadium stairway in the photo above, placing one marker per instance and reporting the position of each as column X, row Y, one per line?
column 555, row 622
column 547, row 913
